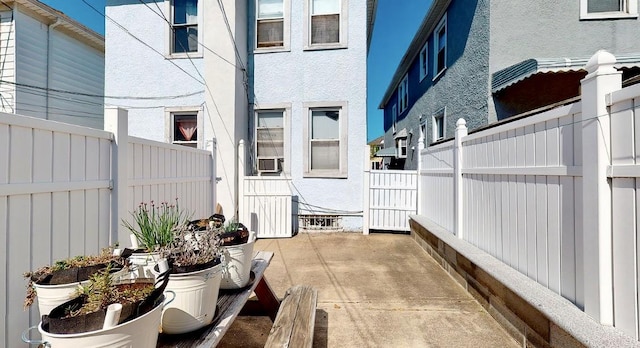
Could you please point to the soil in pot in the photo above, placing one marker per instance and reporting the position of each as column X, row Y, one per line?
column 235, row 237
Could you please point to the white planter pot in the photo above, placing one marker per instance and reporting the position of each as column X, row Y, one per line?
column 237, row 264
column 51, row 296
column 195, row 302
column 141, row 332
column 143, row 263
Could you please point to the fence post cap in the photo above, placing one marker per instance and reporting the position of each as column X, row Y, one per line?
column 601, row 59
column 461, row 122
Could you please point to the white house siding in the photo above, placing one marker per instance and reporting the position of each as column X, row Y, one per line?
column 338, row 75
column 7, row 62
column 31, row 65
column 132, row 69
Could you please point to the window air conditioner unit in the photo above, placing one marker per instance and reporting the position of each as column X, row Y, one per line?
column 268, row 165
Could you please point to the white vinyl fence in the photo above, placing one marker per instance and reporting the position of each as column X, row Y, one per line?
column 555, row 195
column 390, row 197
column 64, row 190
column 265, row 202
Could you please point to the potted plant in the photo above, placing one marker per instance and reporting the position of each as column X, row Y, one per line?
column 106, row 313
column 194, row 257
column 237, row 252
column 152, row 229
column 56, row 284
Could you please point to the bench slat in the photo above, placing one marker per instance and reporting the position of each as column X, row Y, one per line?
column 295, row 321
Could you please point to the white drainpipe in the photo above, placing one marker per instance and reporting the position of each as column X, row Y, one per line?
column 49, row 74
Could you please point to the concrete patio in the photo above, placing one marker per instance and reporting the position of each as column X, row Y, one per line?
column 380, row 290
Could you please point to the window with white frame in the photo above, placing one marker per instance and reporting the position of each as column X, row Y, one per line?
column 403, row 94
column 606, row 9
column 424, row 61
column 394, row 118
column 401, row 147
column 185, row 128
column 184, row 26
column 270, row 141
column 439, row 119
column 440, row 47
column 325, row 140
column 326, row 25
column 270, row 23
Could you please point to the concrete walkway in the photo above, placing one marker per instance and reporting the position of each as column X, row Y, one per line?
column 379, row 290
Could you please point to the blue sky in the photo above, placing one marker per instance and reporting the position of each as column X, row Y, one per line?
column 396, row 23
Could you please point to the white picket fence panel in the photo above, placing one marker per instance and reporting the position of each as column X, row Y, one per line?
column 59, row 188
column 392, row 198
column 436, row 177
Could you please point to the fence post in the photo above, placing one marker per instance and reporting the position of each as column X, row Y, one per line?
column 116, row 122
column 365, row 185
column 242, row 214
column 214, row 175
column 458, row 198
column 418, row 176
column 602, row 79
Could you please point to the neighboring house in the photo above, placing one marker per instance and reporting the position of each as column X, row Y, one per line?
column 375, row 145
column 478, row 59
column 309, row 101
column 288, row 77
column 51, row 66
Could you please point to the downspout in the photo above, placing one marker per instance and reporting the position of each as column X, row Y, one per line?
column 49, row 61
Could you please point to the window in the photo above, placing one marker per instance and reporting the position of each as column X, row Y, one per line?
column 325, row 140
column 184, row 26
column 605, row 9
column 270, row 141
column 401, row 147
column 272, row 24
column 184, row 126
column 424, row 62
column 326, row 23
column 439, row 125
column 394, row 118
column 403, row 94
column 325, row 223
column 440, row 47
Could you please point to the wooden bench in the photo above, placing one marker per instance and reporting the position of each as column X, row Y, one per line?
column 229, row 305
column 293, row 326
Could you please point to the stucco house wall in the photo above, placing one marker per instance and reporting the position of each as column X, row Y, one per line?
column 300, row 76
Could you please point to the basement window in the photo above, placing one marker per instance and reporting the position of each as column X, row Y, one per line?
column 323, row 223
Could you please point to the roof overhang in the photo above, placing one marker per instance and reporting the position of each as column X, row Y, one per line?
column 386, row 152
column 372, row 7
column 511, row 75
column 401, row 134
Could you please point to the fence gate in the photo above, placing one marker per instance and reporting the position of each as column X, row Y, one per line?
column 392, row 196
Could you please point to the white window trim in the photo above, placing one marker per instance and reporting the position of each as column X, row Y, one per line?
column 434, row 125
column 394, row 118
column 424, row 61
column 631, row 11
column 286, row 27
column 169, row 112
column 403, row 89
column 344, row 152
column 398, row 147
column 286, row 109
column 344, row 28
column 169, row 36
column 442, row 23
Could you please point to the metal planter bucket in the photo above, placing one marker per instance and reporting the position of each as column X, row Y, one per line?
column 195, row 303
column 51, row 296
column 237, row 264
column 143, row 264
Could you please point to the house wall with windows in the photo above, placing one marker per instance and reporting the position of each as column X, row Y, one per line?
column 173, row 80
column 52, row 66
column 314, row 78
column 484, row 38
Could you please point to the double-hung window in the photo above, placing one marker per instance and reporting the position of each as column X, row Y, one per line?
column 184, row 126
column 439, row 120
column 270, row 140
column 403, row 94
column 394, row 118
column 608, row 9
column 401, row 147
column 184, row 26
column 325, row 140
column 271, row 26
column 424, row 61
column 440, row 47
column 326, row 25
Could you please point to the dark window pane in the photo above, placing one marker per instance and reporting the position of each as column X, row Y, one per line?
column 325, row 29
column 604, row 6
column 185, row 128
column 270, row 33
column 185, row 11
column 185, row 39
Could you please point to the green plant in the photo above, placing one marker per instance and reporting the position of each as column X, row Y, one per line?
column 154, row 224
column 231, row 226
